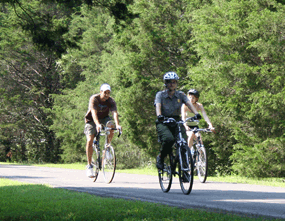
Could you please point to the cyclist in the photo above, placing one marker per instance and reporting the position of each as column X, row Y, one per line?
column 98, row 113
column 168, row 104
column 193, row 96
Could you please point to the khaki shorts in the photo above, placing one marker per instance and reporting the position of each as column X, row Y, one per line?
column 90, row 127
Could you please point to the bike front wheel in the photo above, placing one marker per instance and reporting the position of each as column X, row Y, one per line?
column 186, row 170
column 202, row 164
column 165, row 175
column 95, row 162
column 109, row 164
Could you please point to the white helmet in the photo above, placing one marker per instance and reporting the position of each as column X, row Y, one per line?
column 170, row 76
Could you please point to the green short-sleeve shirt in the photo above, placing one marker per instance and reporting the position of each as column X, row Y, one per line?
column 171, row 106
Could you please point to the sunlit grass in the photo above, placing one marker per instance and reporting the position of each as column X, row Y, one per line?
column 23, row 201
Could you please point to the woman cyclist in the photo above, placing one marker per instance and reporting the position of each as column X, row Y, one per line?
column 168, row 103
column 193, row 96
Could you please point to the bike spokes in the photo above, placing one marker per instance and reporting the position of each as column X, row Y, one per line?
column 186, row 171
column 202, row 164
column 109, row 164
column 165, row 175
column 96, row 163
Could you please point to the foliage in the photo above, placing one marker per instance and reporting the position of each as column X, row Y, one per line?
column 28, row 77
column 241, row 45
column 55, row 54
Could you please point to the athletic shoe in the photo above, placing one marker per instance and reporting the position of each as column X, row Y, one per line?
column 159, row 163
column 89, row 171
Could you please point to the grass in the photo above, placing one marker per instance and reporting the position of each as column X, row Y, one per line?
column 277, row 182
column 23, row 201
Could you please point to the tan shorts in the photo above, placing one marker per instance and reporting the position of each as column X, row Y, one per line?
column 90, row 127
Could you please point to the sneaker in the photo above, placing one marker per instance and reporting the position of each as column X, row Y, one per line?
column 159, row 163
column 89, row 171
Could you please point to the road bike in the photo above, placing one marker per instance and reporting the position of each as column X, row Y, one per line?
column 181, row 156
column 108, row 162
column 199, row 154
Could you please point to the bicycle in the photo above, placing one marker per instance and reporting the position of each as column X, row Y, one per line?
column 182, row 157
column 108, row 162
column 200, row 159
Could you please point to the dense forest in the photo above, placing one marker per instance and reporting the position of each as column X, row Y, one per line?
column 54, row 54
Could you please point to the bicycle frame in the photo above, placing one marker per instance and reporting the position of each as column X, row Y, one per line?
column 105, row 132
column 200, row 155
column 180, row 142
column 100, row 164
column 96, row 144
column 185, row 168
column 198, row 136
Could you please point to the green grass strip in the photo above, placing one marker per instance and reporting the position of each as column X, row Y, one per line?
column 23, row 201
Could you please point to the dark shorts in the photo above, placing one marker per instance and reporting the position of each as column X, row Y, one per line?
column 90, row 127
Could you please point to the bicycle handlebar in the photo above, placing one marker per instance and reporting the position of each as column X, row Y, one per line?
column 109, row 128
column 195, row 130
column 172, row 120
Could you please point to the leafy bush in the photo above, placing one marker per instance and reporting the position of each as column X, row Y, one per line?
column 266, row 159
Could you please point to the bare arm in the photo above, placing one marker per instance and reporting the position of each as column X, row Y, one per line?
column 96, row 120
column 92, row 104
column 158, row 109
column 94, row 116
column 205, row 116
column 183, row 114
column 116, row 118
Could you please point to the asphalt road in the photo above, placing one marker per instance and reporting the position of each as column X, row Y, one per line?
column 214, row 196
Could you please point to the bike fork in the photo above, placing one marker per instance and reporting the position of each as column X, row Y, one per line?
column 96, row 145
column 181, row 161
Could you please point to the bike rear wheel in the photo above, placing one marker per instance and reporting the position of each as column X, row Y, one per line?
column 186, row 172
column 165, row 175
column 109, row 164
column 202, row 163
column 95, row 162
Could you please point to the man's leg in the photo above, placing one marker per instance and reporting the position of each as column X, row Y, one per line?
column 167, row 141
column 90, row 131
column 89, row 149
column 111, row 135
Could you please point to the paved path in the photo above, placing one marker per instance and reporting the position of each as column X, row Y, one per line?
column 237, row 198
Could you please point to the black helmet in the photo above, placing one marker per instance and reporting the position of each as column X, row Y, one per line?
column 194, row 92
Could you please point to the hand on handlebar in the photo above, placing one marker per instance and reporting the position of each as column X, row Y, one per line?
column 212, row 129
column 198, row 116
column 119, row 128
column 98, row 127
column 160, row 118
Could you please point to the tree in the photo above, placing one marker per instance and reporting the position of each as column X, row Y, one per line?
column 241, row 45
column 28, row 78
